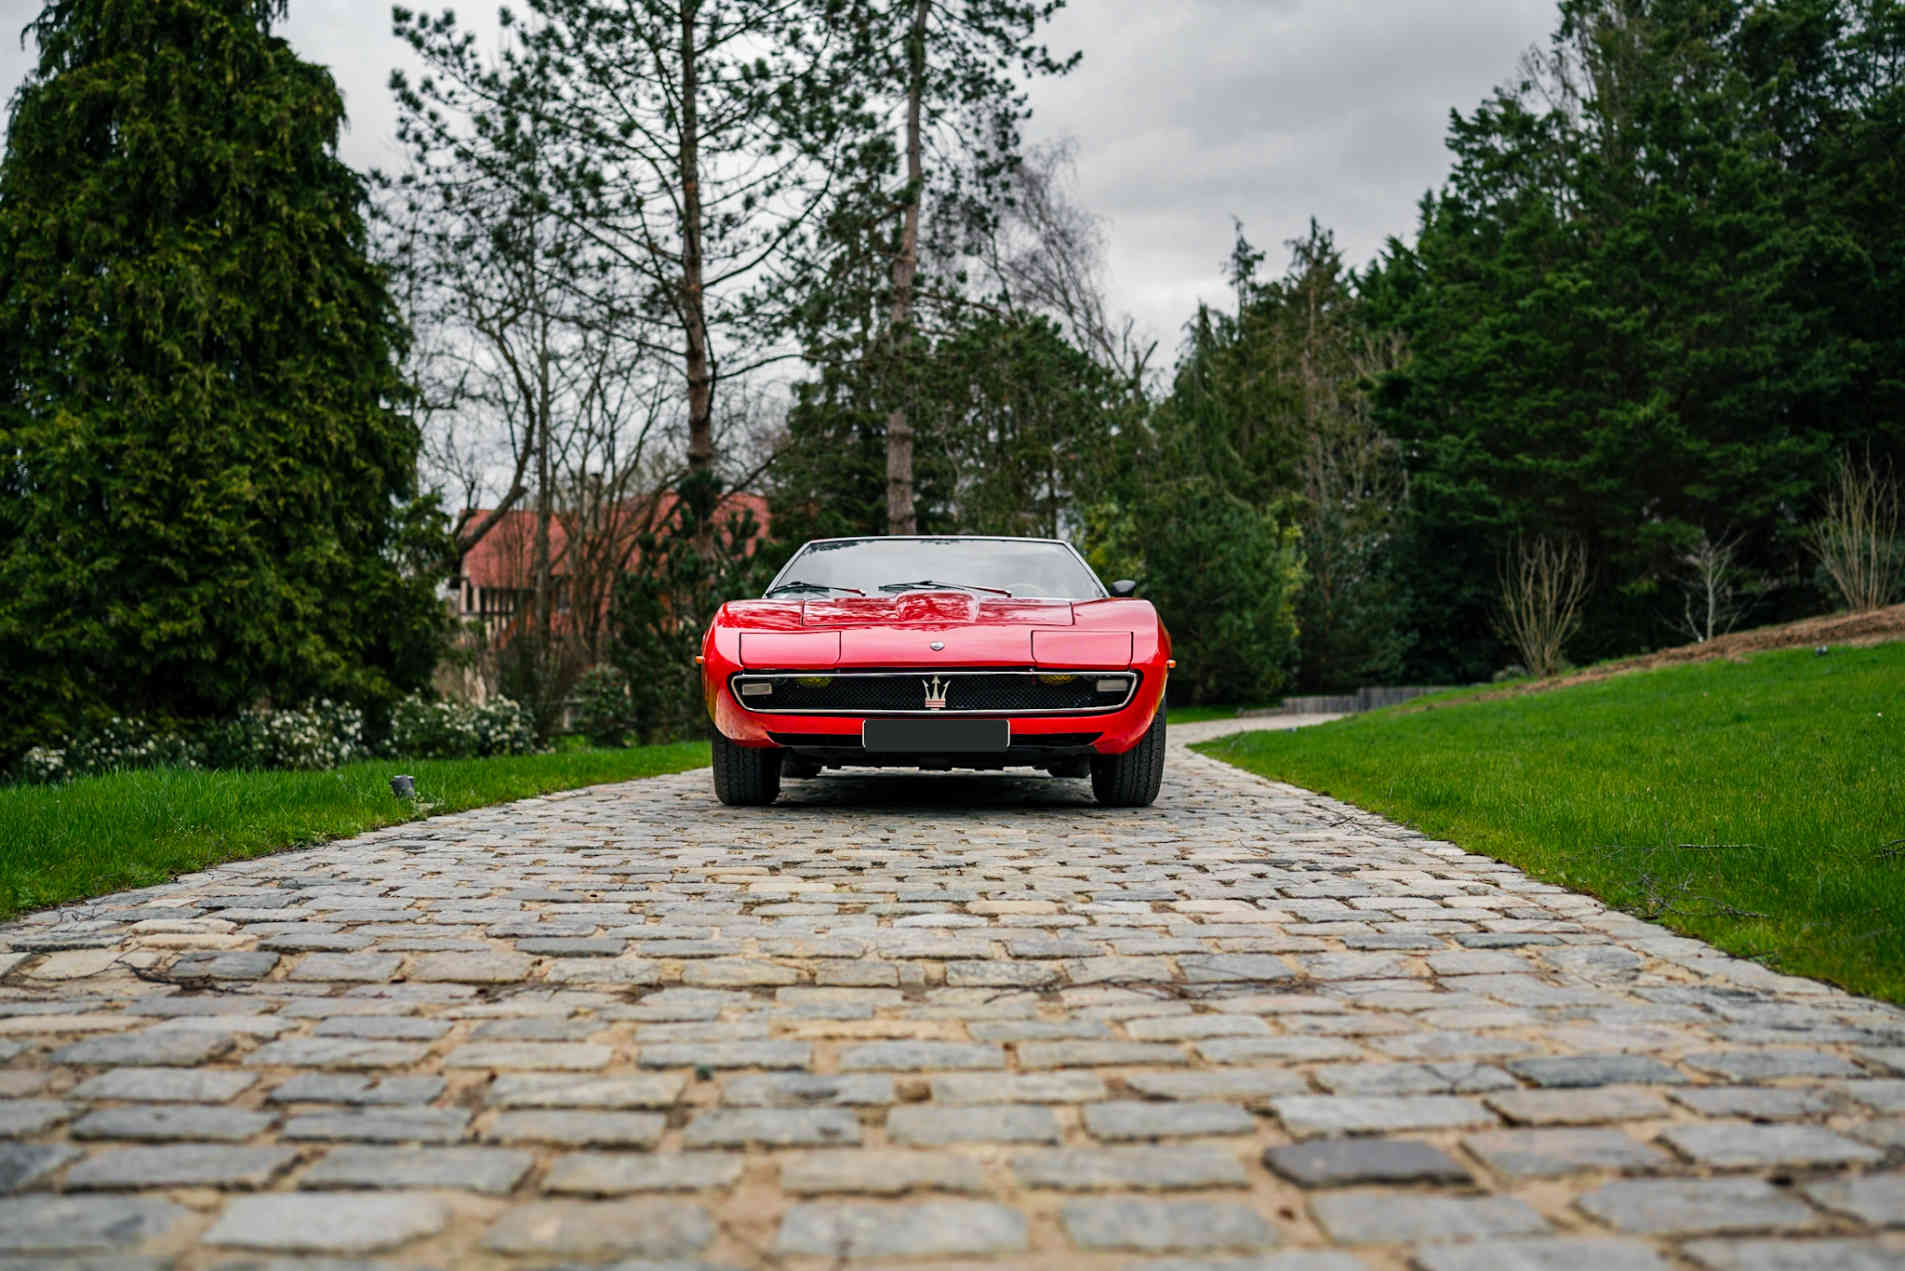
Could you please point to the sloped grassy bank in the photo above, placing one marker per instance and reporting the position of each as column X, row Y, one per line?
column 132, row 829
column 1759, row 805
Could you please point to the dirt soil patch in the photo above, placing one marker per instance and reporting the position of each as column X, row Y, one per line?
column 1876, row 626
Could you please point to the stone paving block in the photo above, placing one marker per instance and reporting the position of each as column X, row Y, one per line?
column 562, row 1056
column 1246, row 1050
column 1770, row 1065
column 915, row 1230
column 1794, row 1255
column 931, row 1125
column 619, row 1173
column 562, row 1090
column 346, row 967
column 147, row 1048
column 1150, row 1168
column 1000, row 974
column 1344, row 1162
column 1134, row 1119
column 604, row 1228
column 1390, row 1217
column 1449, row 1077
column 399, row 1124
column 1031, row 1087
column 1568, row 1071
column 172, row 1121
column 1250, row 968
column 880, row 1173
column 491, row 967
column 738, row 973
column 773, row 1127
column 24, row 1164
column 1733, row 1145
column 1307, row 1116
column 1878, row 1199
column 753, row 1054
column 322, row 1223
column 797, row 1090
column 1093, row 1054
column 913, row 1056
column 1551, row 1152
column 84, row 1224
column 1880, row 1096
column 251, row 964
column 1579, row 1106
column 1195, row 1027
column 591, row 1127
column 494, row 1171
column 21, row 1117
column 1696, row 1206
column 1755, row 1103
column 181, row 1165
column 166, row 1085
column 1575, row 1253
column 1148, row 1225
column 325, row 1087
column 394, row 1028
column 336, row 1052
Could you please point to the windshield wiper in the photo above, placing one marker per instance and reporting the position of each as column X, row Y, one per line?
column 929, row 582
column 799, row 585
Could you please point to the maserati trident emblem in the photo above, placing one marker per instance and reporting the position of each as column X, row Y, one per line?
column 936, row 693
column 937, row 645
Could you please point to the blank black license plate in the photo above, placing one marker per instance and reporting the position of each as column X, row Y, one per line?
column 937, row 736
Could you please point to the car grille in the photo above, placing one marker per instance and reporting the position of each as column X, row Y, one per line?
column 963, row 692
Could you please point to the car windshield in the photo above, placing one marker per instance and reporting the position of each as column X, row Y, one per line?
column 986, row 566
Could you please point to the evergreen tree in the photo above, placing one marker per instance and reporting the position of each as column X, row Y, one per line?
column 1646, row 309
column 208, row 491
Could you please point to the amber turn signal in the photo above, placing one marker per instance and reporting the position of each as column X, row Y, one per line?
column 1169, row 666
column 699, row 659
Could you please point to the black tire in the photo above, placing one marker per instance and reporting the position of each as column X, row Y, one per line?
column 745, row 777
column 1131, row 780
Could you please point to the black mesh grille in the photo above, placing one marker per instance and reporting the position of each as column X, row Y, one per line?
column 906, row 691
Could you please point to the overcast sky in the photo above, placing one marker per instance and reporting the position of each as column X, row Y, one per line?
column 1186, row 113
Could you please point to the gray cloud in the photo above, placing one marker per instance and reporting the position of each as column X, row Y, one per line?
column 1185, row 112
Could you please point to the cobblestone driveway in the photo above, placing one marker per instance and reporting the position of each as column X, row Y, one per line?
column 971, row 1021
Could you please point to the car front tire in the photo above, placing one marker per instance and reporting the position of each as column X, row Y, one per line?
column 745, row 777
column 1131, row 780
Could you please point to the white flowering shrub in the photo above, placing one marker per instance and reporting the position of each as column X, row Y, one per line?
column 121, row 743
column 43, row 765
column 322, row 735
column 421, row 729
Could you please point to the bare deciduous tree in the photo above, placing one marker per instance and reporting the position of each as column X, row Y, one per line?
column 1857, row 540
column 1048, row 257
column 1712, row 601
column 1543, row 582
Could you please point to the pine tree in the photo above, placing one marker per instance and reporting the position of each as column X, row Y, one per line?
column 209, row 487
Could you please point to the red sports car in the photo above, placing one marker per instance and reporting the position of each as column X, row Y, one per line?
column 938, row 653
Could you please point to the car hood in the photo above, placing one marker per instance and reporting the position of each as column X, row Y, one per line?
column 971, row 630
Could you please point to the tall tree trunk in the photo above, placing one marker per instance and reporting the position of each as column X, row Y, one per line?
column 901, row 515
column 694, row 316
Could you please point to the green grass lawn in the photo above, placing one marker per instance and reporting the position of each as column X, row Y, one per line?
column 133, row 829
column 1759, row 805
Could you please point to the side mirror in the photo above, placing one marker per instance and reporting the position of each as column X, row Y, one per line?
column 1124, row 587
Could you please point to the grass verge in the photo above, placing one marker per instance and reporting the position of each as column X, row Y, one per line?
column 134, row 829
column 1759, row 805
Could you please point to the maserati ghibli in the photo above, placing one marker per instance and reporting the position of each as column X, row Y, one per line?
column 937, row 653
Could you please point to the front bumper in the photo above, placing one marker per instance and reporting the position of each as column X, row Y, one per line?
column 1037, row 740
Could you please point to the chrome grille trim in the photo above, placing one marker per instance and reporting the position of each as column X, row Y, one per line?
column 762, row 706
